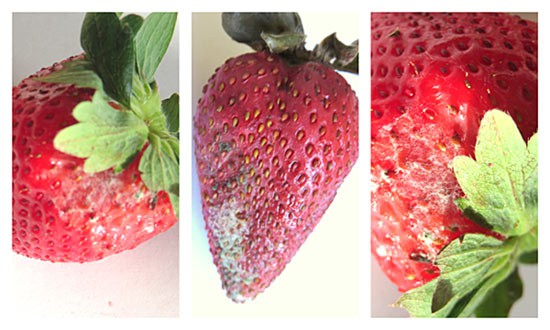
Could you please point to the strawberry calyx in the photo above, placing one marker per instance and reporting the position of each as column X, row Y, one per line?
column 479, row 273
column 283, row 34
column 126, row 115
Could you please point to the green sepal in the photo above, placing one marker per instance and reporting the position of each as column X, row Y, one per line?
column 109, row 46
column 133, row 21
column 159, row 164
column 171, row 110
column 152, row 41
column 499, row 301
column 529, row 258
column 104, row 136
column 342, row 57
column 501, row 184
column 79, row 73
column 275, row 31
column 470, row 268
column 278, row 43
column 175, row 201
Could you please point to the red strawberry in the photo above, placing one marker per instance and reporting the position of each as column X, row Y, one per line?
column 62, row 211
column 273, row 143
column 433, row 78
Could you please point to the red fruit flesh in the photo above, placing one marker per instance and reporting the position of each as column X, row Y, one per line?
column 61, row 213
column 433, row 78
column 273, row 143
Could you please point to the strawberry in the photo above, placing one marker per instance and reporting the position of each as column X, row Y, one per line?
column 84, row 147
column 434, row 77
column 273, row 142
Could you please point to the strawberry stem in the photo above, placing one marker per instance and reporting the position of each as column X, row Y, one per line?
column 283, row 34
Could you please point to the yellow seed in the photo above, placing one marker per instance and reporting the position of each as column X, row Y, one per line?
column 284, row 117
column 269, row 149
column 256, row 112
column 300, row 135
column 295, row 116
column 276, row 134
column 220, row 108
column 235, row 122
column 261, row 128
column 289, row 153
column 263, row 141
column 269, row 123
column 313, row 118
column 221, row 87
column 283, row 142
column 247, row 116
column 256, row 153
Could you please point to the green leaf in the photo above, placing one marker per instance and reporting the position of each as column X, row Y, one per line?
column 469, row 268
column 152, row 41
column 79, row 73
column 105, row 136
column 530, row 258
column 171, row 110
column 476, row 297
column 159, row 165
column 109, row 46
column 464, row 264
column 501, row 184
column 501, row 298
column 133, row 21
column 175, row 201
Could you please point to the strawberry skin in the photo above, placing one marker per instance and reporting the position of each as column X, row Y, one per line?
column 60, row 212
column 273, row 143
column 433, row 78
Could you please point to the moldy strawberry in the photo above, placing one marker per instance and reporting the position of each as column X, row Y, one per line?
column 275, row 134
column 95, row 150
column 434, row 77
